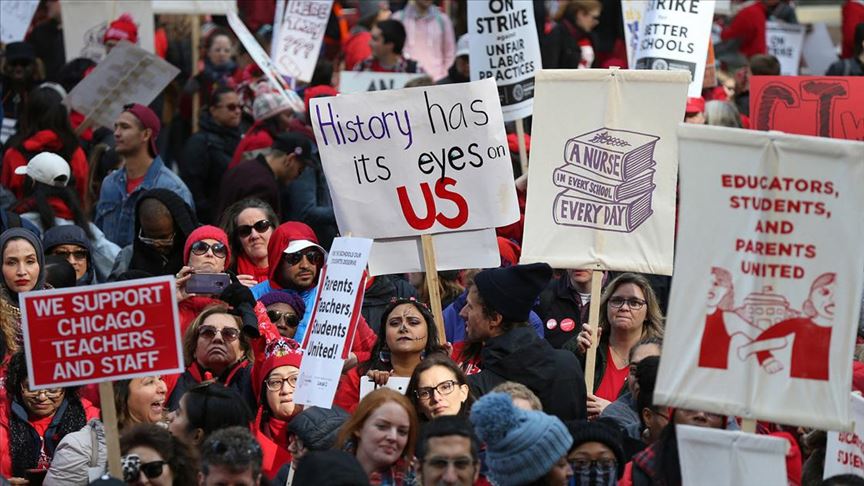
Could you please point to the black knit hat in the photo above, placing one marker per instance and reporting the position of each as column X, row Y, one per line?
column 330, row 468
column 606, row 433
column 317, row 427
column 512, row 291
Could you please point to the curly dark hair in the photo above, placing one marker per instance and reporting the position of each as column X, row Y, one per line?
column 16, row 375
column 432, row 343
column 180, row 457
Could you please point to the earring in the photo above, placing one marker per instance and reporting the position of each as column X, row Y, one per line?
column 384, row 355
column 423, row 354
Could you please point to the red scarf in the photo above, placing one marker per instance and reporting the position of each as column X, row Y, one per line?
column 246, row 267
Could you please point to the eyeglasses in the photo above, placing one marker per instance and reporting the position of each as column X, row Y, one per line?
column 200, row 248
column 133, row 467
column 229, row 334
column 459, row 463
column 78, row 255
column 260, row 227
column 156, row 241
column 230, row 106
column 291, row 320
column 443, row 388
column 49, row 393
column 313, row 256
column 633, row 303
column 276, row 384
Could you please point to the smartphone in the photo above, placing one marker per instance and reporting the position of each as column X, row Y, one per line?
column 207, row 283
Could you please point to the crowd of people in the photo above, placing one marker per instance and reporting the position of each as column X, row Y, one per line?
column 240, row 191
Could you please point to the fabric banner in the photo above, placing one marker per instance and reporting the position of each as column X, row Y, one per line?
column 15, row 18
column 844, row 453
column 362, row 81
column 604, row 163
column 826, row 106
column 675, row 37
column 85, row 23
column 416, row 161
column 453, row 251
column 764, row 220
column 298, row 40
column 504, row 47
column 128, row 75
column 730, row 458
column 785, row 42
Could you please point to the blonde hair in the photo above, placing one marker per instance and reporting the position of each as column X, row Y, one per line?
column 653, row 325
column 518, row 390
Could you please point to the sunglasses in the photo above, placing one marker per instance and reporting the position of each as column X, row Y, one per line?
column 230, row 106
column 133, row 467
column 260, row 227
column 200, row 248
column 291, row 320
column 77, row 254
column 314, row 257
column 229, row 334
column 155, row 241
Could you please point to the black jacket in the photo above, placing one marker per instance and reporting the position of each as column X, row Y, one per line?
column 558, row 301
column 203, row 162
column 144, row 257
column 252, row 178
column 572, row 346
column 521, row 356
column 307, row 199
column 560, row 48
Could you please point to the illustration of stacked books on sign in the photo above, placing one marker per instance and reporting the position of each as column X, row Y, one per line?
column 608, row 177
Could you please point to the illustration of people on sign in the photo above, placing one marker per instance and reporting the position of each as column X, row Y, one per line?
column 722, row 322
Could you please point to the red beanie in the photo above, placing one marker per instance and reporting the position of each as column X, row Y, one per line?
column 206, row 233
column 279, row 352
column 509, row 252
column 123, row 28
column 149, row 119
column 318, row 91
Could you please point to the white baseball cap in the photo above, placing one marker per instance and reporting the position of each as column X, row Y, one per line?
column 47, row 168
column 300, row 245
column 462, row 46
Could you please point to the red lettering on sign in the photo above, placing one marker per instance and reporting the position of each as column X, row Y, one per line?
column 432, row 215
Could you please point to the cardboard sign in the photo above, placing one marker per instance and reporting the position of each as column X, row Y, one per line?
column 85, row 23
column 194, row 7
column 362, row 81
column 603, row 169
column 675, row 37
column 730, row 458
column 15, row 18
column 767, row 311
column 107, row 332
column 818, row 50
column 844, row 452
column 333, row 322
column 785, row 42
column 414, row 161
column 297, row 41
column 453, row 251
column 826, row 106
column 398, row 383
column 504, row 47
column 128, row 75
column 7, row 128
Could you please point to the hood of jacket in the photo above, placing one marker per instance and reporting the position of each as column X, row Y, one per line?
column 208, row 124
column 145, row 257
column 43, row 140
column 71, row 234
column 520, row 355
column 25, row 234
column 279, row 241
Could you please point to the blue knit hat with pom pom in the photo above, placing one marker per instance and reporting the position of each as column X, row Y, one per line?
column 521, row 445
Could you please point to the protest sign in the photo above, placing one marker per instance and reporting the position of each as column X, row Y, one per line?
column 85, row 23
column 781, row 281
column 675, row 37
column 844, row 451
column 398, row 383
column 194, row 7
column 386, row 153
column 98, row 333
column 333, row 321
column 826, row 106
column 454, row 251
column 128, row 75
column 504, row 47
column 298, row 39
column 15, row 18
column 603, row 169
column 7, row 129
column 362, row 81
column 730, row 458
column 785, row 42
column 633, row 14
column 818, row 50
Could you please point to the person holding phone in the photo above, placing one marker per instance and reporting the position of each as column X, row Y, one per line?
column 205, row 255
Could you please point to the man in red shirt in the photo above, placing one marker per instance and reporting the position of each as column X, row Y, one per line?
column 388, row 39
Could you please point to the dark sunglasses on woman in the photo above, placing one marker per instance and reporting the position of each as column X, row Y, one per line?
column 200, row 248
column 133, row 467
column 260, row 227
column 291, row 320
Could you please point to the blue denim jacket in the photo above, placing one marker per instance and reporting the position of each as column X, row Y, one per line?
column 115, row 212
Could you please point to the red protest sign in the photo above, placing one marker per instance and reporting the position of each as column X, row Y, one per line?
column 824, row 106
column 101, row 333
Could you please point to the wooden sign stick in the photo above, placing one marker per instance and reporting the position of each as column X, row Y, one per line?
column 196, row 43
column 112, row 433
column 523, row 150
column 432, row 285
column 593, row 322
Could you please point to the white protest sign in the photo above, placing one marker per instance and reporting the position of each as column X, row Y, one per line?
column 603, row 169
column 416, row 161
column 730, row 458
column 15, row 18
column 453, row 251
column 7, row 129
column 504, row 47
column 333, row 321
column 258, row 54
column 85, row 23
column 298, row 40
column 818, row 51
column 194, row 7
column 362, row 81
column 633, row 14
column 675, row 36
column 785, row 42
column 844, row 452
column 769, row 232
column 398, row 383
column 128, row 75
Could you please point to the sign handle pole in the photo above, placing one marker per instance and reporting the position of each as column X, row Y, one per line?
column 196, row 43
column 523, row 151
column 593, row 322
column 112, row 434
column 432, row 285
column 748, row 426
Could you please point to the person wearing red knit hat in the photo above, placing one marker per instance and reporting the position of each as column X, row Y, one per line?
column 206, row 251
column 123, row 28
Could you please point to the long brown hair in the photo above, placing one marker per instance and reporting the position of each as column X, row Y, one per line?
column 568, row 8
column 190, row 339
column 371, row 402
column 653, row 325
